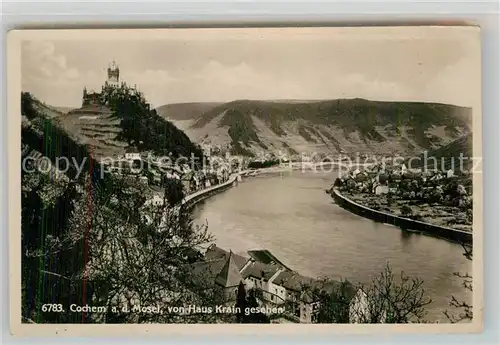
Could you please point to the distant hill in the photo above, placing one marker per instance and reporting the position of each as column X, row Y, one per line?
column 64, row 110
column 343, row 125
column 448, row 156
column 185, row 111
column 49, row 110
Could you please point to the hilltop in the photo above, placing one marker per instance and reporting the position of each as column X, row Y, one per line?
column 183, row 115
column 342, row 125
column 122, row 119
column 448, row 156
column 186, row 111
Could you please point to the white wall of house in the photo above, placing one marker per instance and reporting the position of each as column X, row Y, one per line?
column 277, row 290
column 359, row 309
column 156, row 200
column 132, row 156
column 306, row 312
column 249, row 283
column 381, row 189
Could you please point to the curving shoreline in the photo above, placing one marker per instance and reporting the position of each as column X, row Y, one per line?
column 454, row 235
column 192, row 199
column 437, row 231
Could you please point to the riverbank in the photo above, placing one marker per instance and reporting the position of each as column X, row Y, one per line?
column 435, row 213
column 192, row 199
column 455, row 235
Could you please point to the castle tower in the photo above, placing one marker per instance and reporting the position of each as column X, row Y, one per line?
column 113, row 74
column 84, row 98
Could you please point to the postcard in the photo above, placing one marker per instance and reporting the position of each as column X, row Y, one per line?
column 231, row 179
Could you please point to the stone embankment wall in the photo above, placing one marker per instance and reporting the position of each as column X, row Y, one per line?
column 404, row 223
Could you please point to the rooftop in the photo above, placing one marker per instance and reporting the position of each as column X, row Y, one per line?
column 214, row 253
column 266, row 257
column 131, row 149
column 229, row 275
column 260, row 270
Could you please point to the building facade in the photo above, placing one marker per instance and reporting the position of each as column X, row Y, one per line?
column 277, row 284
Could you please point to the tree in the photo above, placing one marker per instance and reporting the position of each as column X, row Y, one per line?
column 334, row 300
column 387, row 300
column 144, row 126
column 241, row 302
column 252, row 302
column 174, row 191
column 469, row 215
column 117, row 252
column 390, row 199
column 414, row 185
column 406, row 211
column 464, row 310
column 137, row 255
column 383, row 178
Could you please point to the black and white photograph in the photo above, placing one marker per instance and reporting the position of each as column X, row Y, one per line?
column 250, row 176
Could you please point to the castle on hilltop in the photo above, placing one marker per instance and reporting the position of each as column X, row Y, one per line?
column 113, row 74
column 94, row 98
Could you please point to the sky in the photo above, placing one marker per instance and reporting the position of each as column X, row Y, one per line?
column 182, row 65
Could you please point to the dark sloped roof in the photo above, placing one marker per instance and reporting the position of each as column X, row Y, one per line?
column 208, row 269
column 283, row 276
column 265, row 256
column 297, row 282
column 260, row 270
column 215, row 253
column 132, row 149
column 230, row 274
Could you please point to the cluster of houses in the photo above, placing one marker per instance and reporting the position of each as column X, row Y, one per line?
column 378, row 179
column 277, row 284
column 152, row 170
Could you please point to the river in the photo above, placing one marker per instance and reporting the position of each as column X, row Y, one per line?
column 290, row 214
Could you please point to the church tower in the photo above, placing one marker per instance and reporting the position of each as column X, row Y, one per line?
column 113, row 74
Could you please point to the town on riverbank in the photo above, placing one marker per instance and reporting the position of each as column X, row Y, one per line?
column 441, row 198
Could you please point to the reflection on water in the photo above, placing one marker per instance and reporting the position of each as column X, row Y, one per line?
column 292, row 216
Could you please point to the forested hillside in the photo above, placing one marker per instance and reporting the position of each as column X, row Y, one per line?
column 350, row 125
column 92, row 239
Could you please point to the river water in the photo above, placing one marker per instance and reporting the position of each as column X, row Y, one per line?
column 291, row 215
